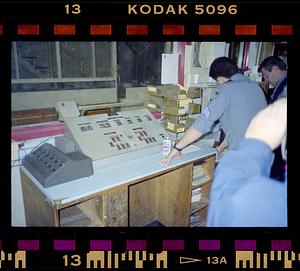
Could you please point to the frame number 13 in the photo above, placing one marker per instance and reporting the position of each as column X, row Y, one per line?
column 72, row 9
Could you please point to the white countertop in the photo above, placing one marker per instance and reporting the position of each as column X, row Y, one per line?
column 118, row 173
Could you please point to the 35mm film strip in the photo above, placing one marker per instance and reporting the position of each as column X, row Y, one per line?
column 114, row 20
column 174, row 254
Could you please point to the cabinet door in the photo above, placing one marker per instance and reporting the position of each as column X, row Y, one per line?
column 115, row 208
column 164, row 199
column 174, row 195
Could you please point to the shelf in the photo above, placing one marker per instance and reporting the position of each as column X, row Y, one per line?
column 87, row 213
column 198, row 224
column 200, row 180
column 73, row 217
column 198, row 218
column 198, row 205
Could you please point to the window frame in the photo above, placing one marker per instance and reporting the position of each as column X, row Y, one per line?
column 59, row 78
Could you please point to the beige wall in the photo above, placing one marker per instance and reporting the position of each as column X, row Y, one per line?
column 45, row 99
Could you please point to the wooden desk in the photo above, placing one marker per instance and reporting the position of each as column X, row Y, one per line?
column 136, row 192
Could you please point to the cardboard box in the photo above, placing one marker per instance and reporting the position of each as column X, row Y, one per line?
column 175, row 119
column 180, row 111
column 177, row 128
column 172, row 91
column 194, row 108
column 194, row 92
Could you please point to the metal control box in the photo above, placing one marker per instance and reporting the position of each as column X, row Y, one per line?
column 50, row 166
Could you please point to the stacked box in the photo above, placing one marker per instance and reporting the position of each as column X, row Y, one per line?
column 172, row 100
column 194, row 92
column 175, row 101
column 175, row 119
column 154, row 91
column 155, row 101
column 169, row 97
column 194, row 108
column 175, row 124
column 197, row 98
column 180, row 107
column 176, row 106
column 175, row 128
column 173, row 91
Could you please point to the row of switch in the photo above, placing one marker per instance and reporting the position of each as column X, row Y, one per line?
column 148, row 139
column 86, row 128
column 141, row 133
column 46, row 158
column 105, row 125
column 120, row 146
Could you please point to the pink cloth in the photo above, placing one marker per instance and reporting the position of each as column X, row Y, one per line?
column 25, row 133
column 156, row 114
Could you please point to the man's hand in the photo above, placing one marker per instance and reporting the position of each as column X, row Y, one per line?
column 190, row 136
column 269, row 125
column 173, row 153
column 222, row 146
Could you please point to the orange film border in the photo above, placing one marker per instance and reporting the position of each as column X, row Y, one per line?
column 143, row 30
column 28, row 29
column 169, row 29
column 245, row 30
column 286, row 30
column 64, row 29
column 105, row 29
column 209, row 30
column 137, row 30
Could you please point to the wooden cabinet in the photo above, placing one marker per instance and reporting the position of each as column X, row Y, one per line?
column 160, row 199
column 203, row 171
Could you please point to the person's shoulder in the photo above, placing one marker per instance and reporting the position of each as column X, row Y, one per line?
column 237, row 79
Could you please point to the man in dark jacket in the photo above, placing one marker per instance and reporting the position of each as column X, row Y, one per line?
column 273, row 70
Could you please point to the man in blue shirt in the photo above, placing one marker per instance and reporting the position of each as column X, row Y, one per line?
column 237, row 102
column 243, row 194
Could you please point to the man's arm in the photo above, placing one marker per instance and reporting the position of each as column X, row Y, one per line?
column 202, row 124
column 190, row 136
